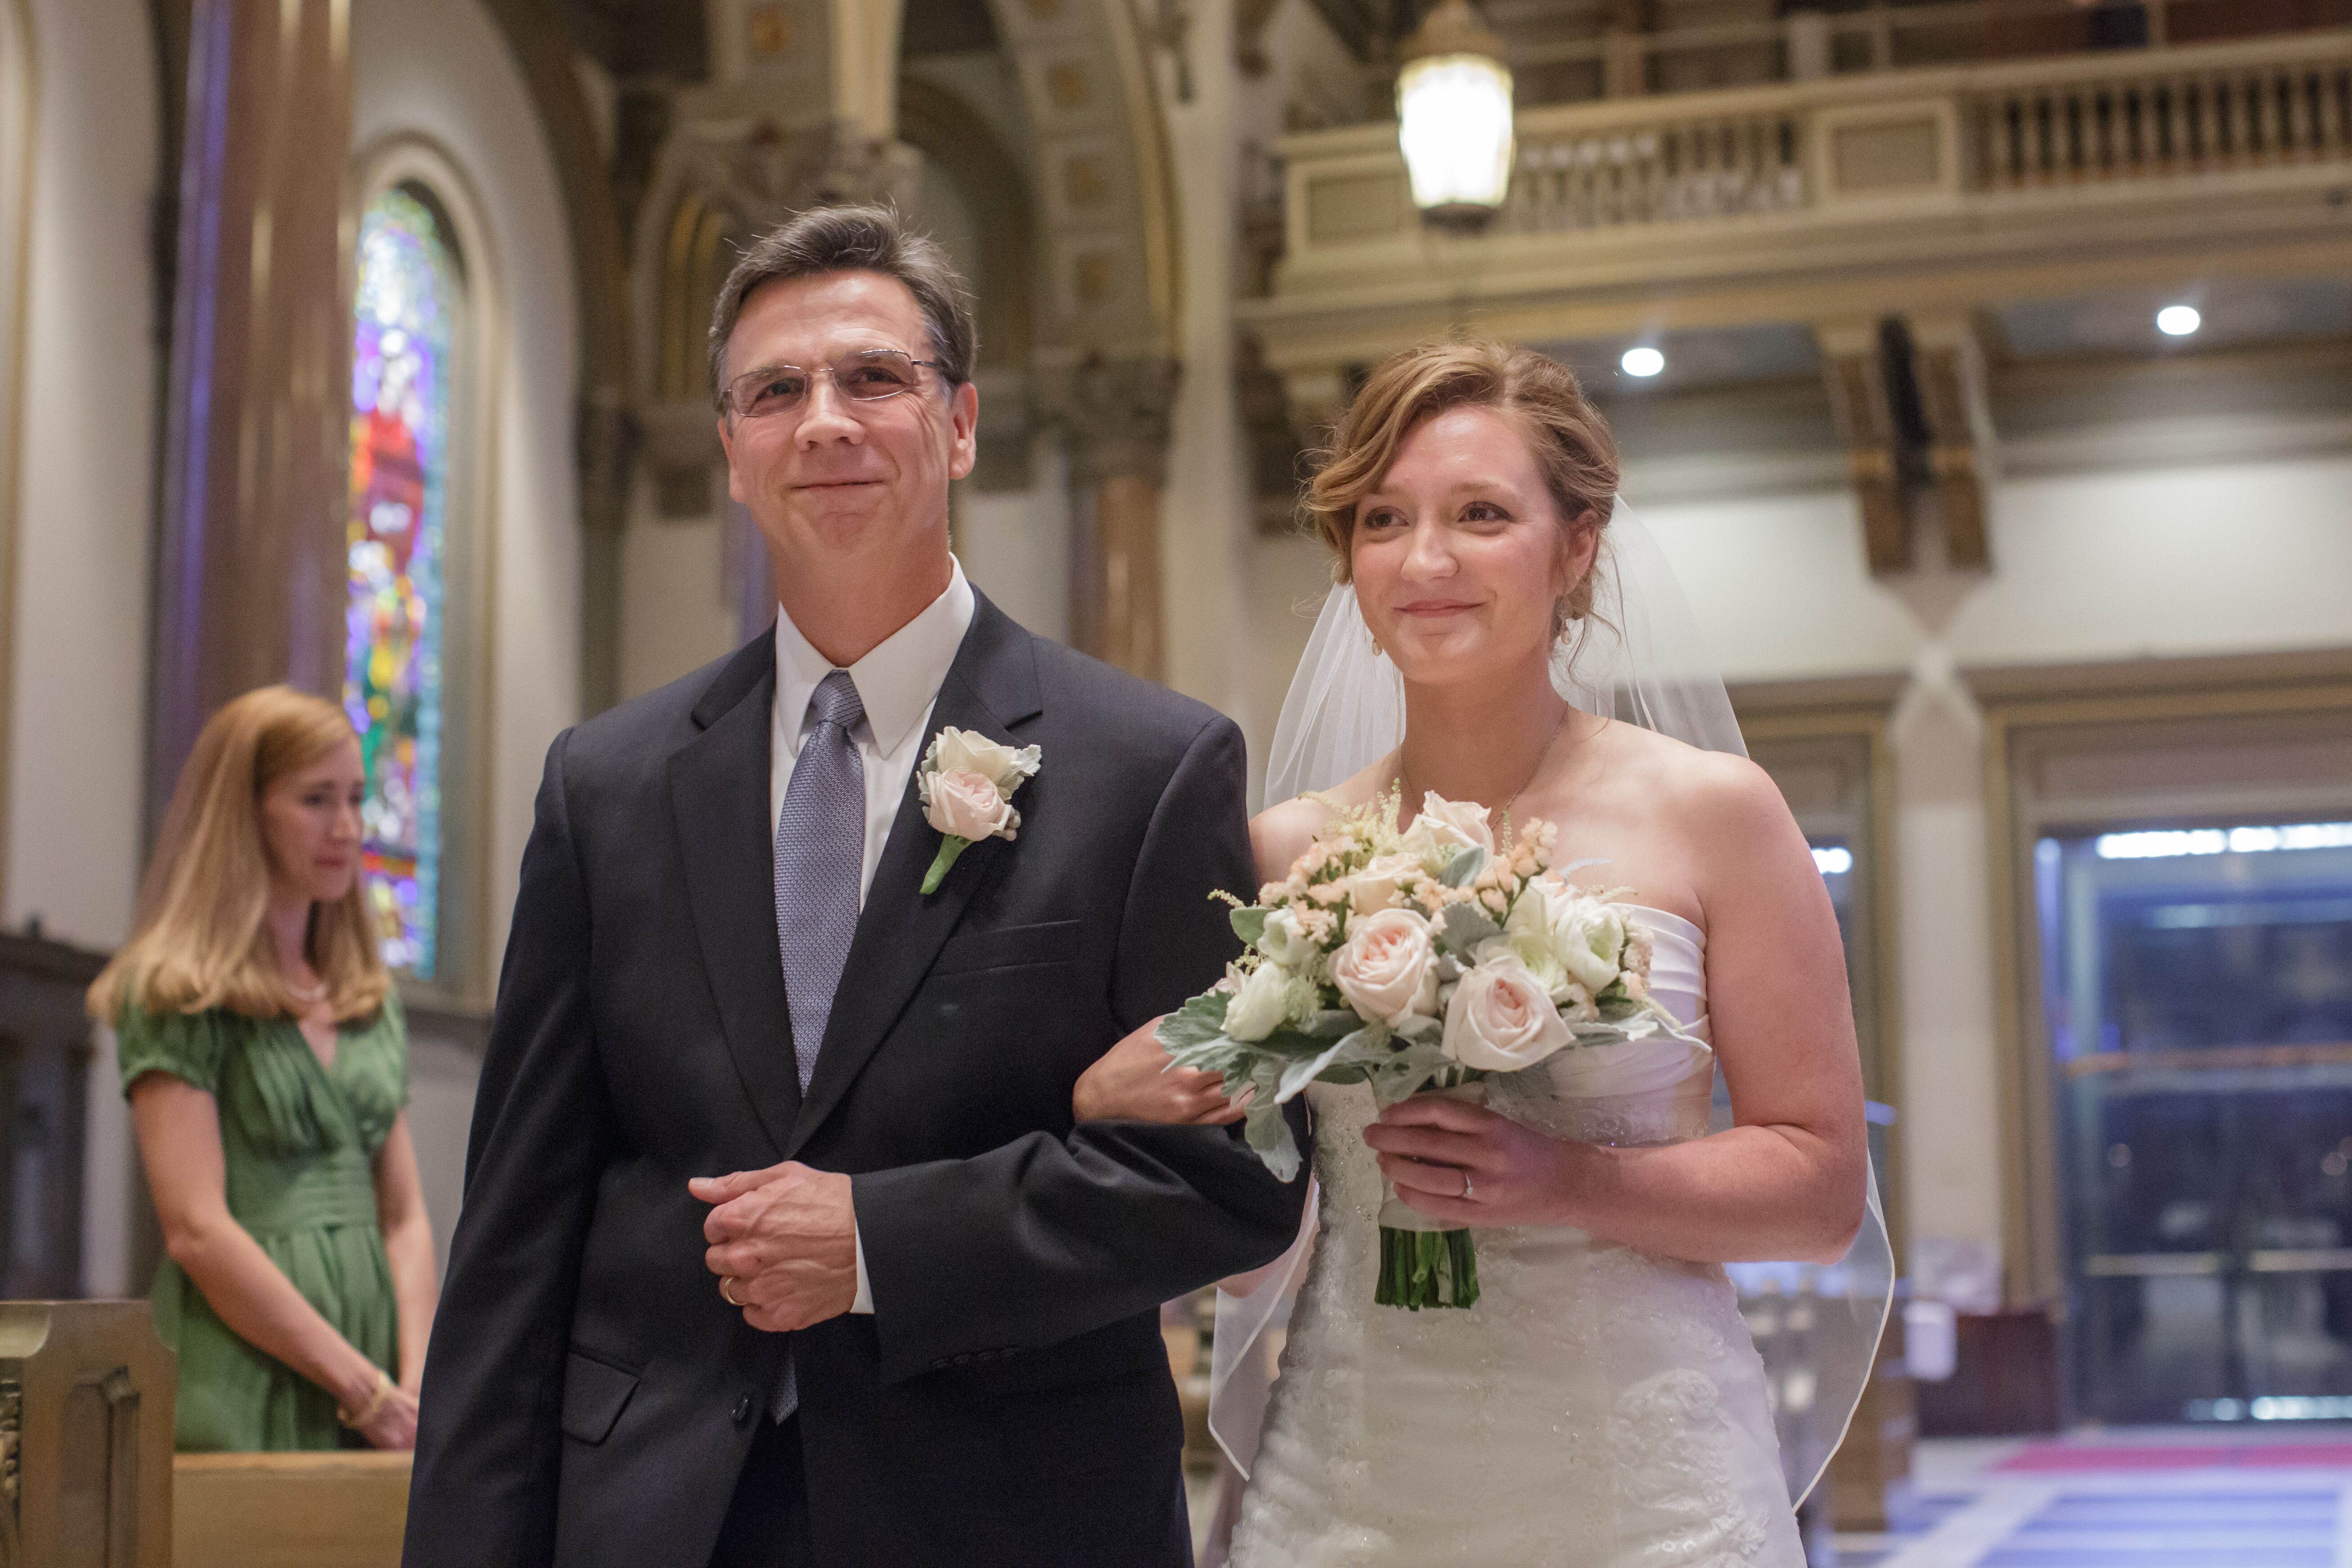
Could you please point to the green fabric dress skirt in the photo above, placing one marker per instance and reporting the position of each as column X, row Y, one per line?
column 300, row 1141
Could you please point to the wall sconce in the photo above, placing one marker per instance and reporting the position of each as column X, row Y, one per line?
column 1454, row 118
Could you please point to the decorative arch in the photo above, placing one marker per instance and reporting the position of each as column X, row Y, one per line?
column 1110, row 272
column 438, row 566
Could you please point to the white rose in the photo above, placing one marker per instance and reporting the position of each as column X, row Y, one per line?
column 967, row 751
column 1501, row 1018
column 1528, row 931
column 1376, row 887
column 1445, row 826
column 965, row 805
column 1260, row 1004
column 1284, row 942
column 1387, row 969
column 1591, row 939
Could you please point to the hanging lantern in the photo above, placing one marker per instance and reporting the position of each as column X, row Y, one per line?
column 1454, row 118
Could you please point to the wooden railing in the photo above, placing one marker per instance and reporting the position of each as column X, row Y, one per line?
column 1846, row 147
column 1809, row 43
column 2161, row 118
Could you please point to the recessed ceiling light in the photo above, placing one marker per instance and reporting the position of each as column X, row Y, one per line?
column 2178, row 321
column 1642, row 361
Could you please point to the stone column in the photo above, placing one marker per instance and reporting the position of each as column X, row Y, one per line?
column 1116, row 414
column 1855, row 367
column 256, row 487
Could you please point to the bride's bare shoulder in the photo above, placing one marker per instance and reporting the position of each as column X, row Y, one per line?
column 1280, row 834
column 1712, row 793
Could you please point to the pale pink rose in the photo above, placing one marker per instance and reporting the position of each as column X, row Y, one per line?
column 1387, row 969
column 1501, row 1018
column 965, row 805
column 1379, row 885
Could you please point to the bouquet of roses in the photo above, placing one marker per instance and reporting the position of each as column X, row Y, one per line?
column 1426, row 958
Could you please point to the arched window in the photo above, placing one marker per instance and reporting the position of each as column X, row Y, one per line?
column 407, row 307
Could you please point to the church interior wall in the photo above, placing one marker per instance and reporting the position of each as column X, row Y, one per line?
column 84, row 509
column 439, row 69
column 2135, row 517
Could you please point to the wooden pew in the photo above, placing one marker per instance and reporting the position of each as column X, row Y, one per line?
column 345, row 1510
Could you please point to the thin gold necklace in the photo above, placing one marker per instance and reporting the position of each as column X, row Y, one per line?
column 1404, row 787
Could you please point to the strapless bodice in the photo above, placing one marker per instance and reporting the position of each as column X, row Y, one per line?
column 1599, row 1406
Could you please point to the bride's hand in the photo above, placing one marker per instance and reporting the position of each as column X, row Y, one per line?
column 1134, row 1082
column 1434, row 1150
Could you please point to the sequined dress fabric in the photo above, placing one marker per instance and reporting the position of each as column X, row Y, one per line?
column 1599, row 1407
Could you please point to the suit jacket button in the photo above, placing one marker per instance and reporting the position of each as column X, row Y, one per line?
column 742, row 1415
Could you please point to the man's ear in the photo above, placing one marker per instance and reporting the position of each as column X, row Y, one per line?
column 727, row 445
column 964, row 417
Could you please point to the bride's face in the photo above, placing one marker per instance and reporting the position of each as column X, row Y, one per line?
column 1459, row 554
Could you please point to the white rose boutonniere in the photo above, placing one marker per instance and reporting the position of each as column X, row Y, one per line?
column 966, row 782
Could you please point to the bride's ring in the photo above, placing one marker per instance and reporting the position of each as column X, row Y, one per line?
column 1468, row 1191
column 724, row 1293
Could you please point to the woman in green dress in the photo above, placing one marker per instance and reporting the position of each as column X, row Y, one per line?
column 267, row 1066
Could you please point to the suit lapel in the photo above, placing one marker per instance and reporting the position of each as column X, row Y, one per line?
column 990, row 687
column 718, row 801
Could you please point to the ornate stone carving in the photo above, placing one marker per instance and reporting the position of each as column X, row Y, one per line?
column 11, row 1484
column 1117, row 415
column 763, row 176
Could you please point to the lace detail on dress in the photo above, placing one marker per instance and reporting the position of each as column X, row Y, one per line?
column 1667, row 1436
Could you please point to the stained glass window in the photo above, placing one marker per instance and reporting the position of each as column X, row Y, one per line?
column 407, row 305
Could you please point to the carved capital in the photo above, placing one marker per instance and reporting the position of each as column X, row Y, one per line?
column 754, row 170
column 1948, row 364
column 1117, row 414
column 1855, row 370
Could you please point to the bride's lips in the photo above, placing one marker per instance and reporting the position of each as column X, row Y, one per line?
column 1435, row 608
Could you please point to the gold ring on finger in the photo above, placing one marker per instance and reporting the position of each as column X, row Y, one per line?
column 724, row 1293
column 1469, row 1190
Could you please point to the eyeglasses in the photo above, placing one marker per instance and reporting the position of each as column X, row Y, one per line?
column 868, row 375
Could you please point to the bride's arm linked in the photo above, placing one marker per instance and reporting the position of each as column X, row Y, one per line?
column 1787, row 1181
column 1133, row 1081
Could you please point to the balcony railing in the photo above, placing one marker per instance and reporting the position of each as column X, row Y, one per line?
column 1556, row 66
column 1856, row 147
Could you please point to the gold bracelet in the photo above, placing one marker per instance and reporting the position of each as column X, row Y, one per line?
column 374, row 1406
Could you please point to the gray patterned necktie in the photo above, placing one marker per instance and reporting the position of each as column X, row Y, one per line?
column 820, row 860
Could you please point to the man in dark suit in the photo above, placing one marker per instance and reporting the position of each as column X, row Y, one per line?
column 919, row 1323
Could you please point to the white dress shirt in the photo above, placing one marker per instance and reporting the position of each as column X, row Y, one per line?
column 898, row 682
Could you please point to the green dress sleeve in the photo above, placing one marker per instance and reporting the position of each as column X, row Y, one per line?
column 188, row 1045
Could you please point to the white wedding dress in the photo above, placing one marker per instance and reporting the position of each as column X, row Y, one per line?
column 1599, row 1407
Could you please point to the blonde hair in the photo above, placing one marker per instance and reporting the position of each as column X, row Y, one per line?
column 203, row 935
column 1570, row 442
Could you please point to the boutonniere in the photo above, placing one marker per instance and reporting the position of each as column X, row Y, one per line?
column 966, row 781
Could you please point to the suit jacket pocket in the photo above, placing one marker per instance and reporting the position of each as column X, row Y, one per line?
column 595, row 1392
column 1003, row 947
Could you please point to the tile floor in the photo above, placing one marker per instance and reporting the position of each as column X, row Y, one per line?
column 2122, row 1500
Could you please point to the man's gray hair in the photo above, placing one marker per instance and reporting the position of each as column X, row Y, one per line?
column 853, row 239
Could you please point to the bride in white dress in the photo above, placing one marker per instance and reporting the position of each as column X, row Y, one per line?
column 1601, row 1405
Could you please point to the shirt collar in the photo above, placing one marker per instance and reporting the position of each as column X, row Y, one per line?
column 899, row 679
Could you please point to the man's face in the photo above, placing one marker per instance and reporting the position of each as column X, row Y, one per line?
column 834, row 477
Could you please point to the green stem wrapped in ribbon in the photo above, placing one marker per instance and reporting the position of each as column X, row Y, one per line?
column 951, row 847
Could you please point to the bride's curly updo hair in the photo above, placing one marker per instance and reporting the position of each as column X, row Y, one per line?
column 1570, row 441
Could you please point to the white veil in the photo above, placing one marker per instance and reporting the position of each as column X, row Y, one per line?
column 1642, row 656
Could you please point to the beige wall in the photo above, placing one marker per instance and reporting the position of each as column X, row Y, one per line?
column 76, row 712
